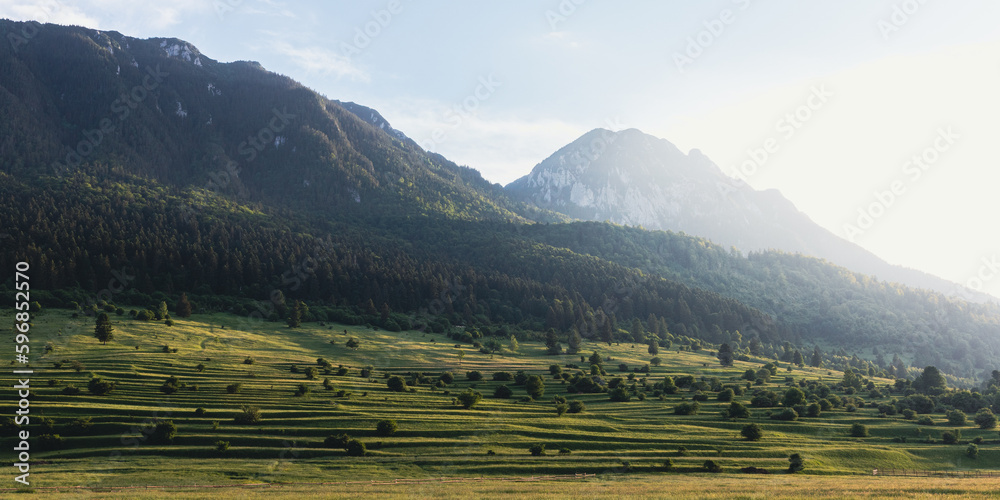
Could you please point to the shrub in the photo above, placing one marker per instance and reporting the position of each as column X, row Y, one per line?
column 620, row 395
column 248, row 360
column 909, row 414
column 795, row 463
column 535, row 386
column 668, row 465
column 859, row 430
column 396, row 383
column 222, row 446
column 503, row 392
column 972, row 451
column 168, row 322
column 711, row 466
column 561, row 409
column 338, row 441
column 311, row 373
column 813, row 410
column 503, row 377
column 787, row 415
column 170, row 386
column 51, row 441
column 474, row 376
column 537, row 450
column 164, row 432
column 736, row 410
column 925, row 420
column 200, row 368
column 99, row 386
column 726, row 395
column 956, row 417
column 199, row 412
column 447, row 377
column 985, row 419
column 355, row 448
column 234, row 388
column 576, row 406
column 81, row 425
column 469, row 398
column 752, row 432
column 386, row 427
column 248, row 415
column 699, row 396
column 950, row 437
column 686, row 409
column 302, row 390
column 71, row 390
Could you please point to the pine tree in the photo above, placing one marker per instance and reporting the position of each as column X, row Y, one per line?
column 103, row 329
column 797, row 358
column 183, row 308
column 162, row 312
column 574, row 341
column 817, row 358
column 295, row 315
column 725, row 355
column 654, row 346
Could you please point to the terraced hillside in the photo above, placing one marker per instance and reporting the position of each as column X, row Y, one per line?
column 436, row 436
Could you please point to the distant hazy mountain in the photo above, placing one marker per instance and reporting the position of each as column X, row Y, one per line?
column 632, row 178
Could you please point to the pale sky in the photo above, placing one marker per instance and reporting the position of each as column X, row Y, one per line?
column 844, row 94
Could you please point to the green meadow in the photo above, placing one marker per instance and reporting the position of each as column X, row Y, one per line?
column 436, row 436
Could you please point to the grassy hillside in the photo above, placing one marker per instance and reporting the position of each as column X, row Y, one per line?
column 436, row 437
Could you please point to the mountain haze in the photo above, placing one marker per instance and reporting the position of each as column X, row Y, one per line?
column 635, row 179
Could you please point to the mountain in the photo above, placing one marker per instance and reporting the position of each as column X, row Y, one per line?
column 635, row 179
column 149, row 162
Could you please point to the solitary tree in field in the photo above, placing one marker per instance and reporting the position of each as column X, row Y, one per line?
column 103, row 329
column 183, row 308
column 725, row 355
column 795, row 463
column 752, row 432
column 469, row 398
column 654, row 346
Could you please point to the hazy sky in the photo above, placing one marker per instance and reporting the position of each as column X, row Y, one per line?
column 843, row 94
